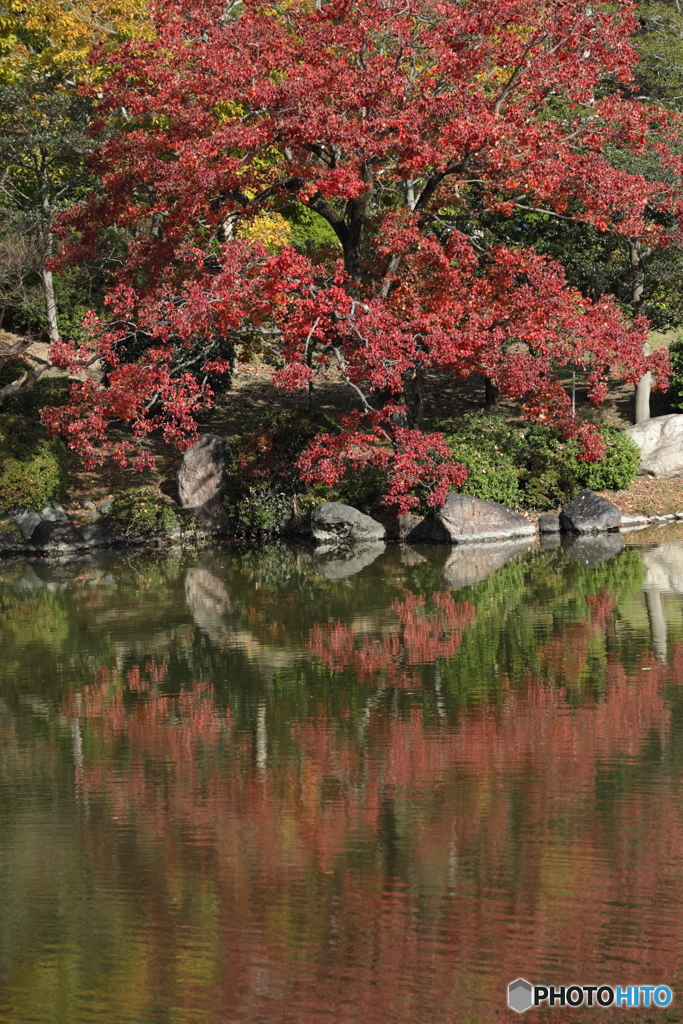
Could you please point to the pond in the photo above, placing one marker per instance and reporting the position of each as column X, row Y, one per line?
column 269, row 786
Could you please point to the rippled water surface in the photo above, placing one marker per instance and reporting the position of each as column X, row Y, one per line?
column 268, row 786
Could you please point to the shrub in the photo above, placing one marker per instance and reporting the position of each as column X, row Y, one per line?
column 486, row 446
column 551, row 472
column 676, row 379
column 535, row 467
column 141, row 511
column 33, row 468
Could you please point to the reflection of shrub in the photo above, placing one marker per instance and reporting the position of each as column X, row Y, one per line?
column 33, row 469
column 140, row 511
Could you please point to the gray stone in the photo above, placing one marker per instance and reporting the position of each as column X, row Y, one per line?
column 636, row 520
column 99, row 535
column 105, row 506
column 589, row 513
column 53, row 514
column 202, row 471
column 660, row 441
column 463, row 519
column 89, row 506
column 549, row 524
column 591, row 550
column 338, row 525
column 471, row 563
column 400, row 527
column 9, row 544
column 51, row 535
column 26, row 519
column 336, row 564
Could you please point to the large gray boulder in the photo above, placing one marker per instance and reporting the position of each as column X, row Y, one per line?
column 337, row 525
column 463, row 519
column 589, row 513
column 202, row 471
column 51, row 535
column 660, row 441
column 99, row 535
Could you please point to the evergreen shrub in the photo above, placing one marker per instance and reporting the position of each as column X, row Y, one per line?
column 33, row 467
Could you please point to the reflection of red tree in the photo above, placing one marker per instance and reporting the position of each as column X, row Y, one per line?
column 422, row 638
column 399, row 869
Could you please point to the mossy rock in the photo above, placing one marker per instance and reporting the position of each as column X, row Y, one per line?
column 33, row 467
column 9, row 526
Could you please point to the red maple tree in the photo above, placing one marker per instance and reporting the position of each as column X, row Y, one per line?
column 399, row 126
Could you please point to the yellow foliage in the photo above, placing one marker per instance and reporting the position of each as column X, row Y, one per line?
column 55, row 37
column 269, row 228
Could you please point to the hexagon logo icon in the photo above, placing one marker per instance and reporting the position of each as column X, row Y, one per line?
column 520, row 995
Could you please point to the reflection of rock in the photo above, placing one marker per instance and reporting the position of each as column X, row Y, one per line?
column 591, row 551
column 549, row 541
column 208, row 601
column 337, row 524
column 335, row 564
column 463, row 519
column 589, row 513
column 664, row 566
column 471, row 563
column 661, row 445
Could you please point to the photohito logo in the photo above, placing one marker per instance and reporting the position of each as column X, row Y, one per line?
column 522, row 995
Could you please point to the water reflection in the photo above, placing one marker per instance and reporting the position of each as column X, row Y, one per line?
column 243, row 788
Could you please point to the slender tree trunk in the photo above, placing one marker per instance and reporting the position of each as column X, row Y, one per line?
column 47, row 240
column 50, row 304
column 491, row 393
column 644, row 385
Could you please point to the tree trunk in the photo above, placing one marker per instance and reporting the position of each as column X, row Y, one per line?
column 47, row 240
column 643, row 389
column 50, row 305
column 491, row 392
column 644, row 385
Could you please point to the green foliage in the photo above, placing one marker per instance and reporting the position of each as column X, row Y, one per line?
column 141, row 511
column 311, row 235
column 33, row 468
column 676, row 380
column 551, row 472
column 486, row 446
column 9, row 526
column 263, row 492
column 534, row 467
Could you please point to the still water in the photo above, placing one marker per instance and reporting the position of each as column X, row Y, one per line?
column 265, row 786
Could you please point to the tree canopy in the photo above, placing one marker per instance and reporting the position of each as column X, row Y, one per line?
column 400, row 129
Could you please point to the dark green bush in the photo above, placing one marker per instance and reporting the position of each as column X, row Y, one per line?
column 534, row 467
column 486, row 446
column 33, row 468
column 141, row 511
column 676, row 380
column 551, row 472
